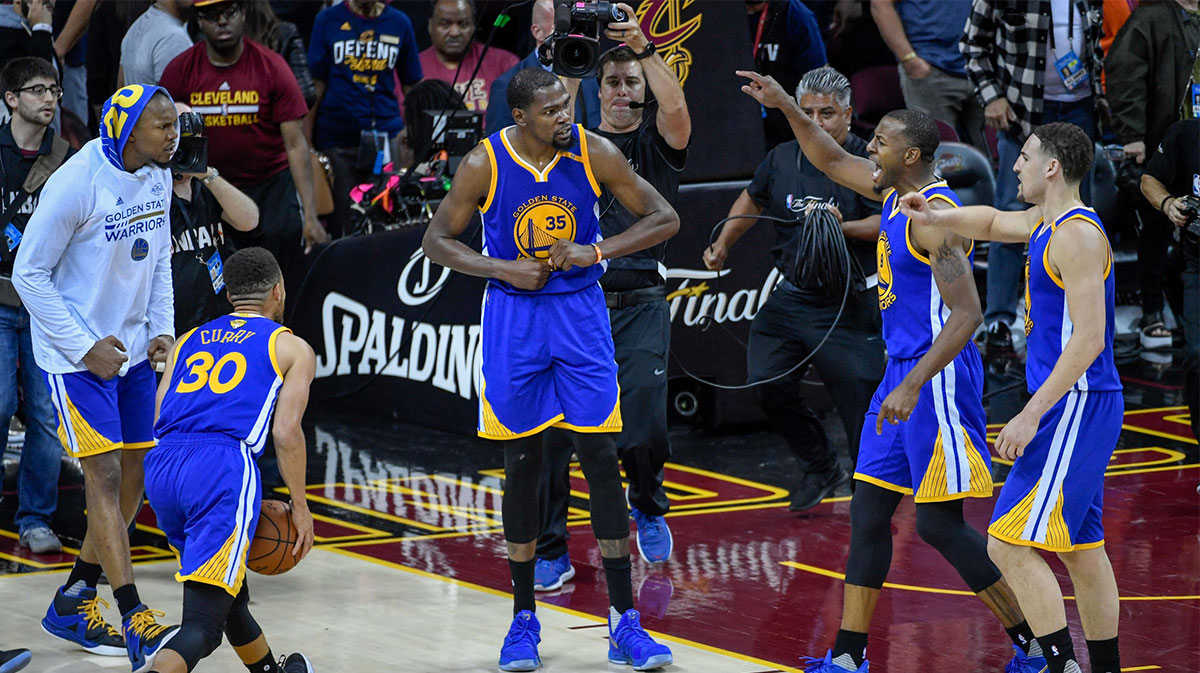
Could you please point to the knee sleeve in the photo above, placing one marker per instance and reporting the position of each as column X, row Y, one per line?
column 522, row 474
column 598, row 458
column 871, row 510
column 942, row 526
column 241, row 628
column 204, row 611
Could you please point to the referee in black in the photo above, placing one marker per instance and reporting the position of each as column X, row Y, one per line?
column 796, row 317
column 635, row 290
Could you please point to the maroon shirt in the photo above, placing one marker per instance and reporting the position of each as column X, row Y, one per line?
column 242, row 105
column 496, row 63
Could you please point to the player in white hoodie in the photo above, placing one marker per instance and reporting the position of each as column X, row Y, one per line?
column 94, row 271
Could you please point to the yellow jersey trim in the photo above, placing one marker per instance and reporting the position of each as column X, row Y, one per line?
column 139, row 445
column 587, row 161
column 271, row 349
column 538, row 176
column 211, row 582
column 491, row 155
column 182, row 340
column 1042, row 545
column 882, row 484
column 518, row 435
column 587, row 428
column 1054, row 229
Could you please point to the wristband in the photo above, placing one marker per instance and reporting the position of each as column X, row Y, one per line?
column 599, row 255
column 908, row 57
column 1162, row 204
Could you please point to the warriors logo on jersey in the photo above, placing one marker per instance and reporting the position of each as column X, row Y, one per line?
column 540, row 222
column 883, row 254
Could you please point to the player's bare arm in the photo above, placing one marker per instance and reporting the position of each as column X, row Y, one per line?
column 299, row 365
column 1079, row 255
column 164, row 383
column 658, row 222
column 981, row 223
column 821, row 149
column 441, row 245
column 947, row 253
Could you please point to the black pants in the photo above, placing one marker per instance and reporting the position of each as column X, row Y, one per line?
column 1191, row 328
column 787, row 328
column 280, row 227
column 346, row 176
column 1154, row 264
column 641, row 335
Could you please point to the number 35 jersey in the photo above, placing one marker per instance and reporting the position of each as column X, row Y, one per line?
column 226, row 379
column 527, row 210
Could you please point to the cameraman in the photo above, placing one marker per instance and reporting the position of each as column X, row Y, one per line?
column 203, row 200
column 31, row 92
column 1171, row 184
column 635, row 292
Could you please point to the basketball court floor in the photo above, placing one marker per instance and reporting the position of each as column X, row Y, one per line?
column 408, row 574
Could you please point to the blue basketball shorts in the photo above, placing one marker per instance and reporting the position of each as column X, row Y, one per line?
column 1053, row 498
column 940, row 452
column 548, row 360
column 206, row 491
column 97, row 416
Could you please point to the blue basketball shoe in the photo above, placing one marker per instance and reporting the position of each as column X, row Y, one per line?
column 519, row 652
column 654, row 541
column 1024, row 663
column 827, row 665
column 12, row 661
column 144, row 637
column 550, row 574
column 77, row 619
column 629, row 644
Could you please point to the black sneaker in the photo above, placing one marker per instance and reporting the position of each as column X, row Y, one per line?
column 999, row 341
column 12, row 661
column 814, row 488
column 295, row 663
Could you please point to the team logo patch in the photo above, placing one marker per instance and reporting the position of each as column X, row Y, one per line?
column 236, row 323
column 140, row 249
column 542, row 222
column 883, row 256
column 157, row 189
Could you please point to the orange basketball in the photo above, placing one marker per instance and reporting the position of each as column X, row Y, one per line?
column 271, row 549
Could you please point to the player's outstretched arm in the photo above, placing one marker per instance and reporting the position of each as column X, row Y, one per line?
column 470, row 188
column 981, row 223
column 820, row 147
column 658, row 219
column 956, row 283
column 1079, row 253
column 298, row 364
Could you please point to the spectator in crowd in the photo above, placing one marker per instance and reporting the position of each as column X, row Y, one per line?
column 283, row 38
column 106, row 29
column 1148, row 68
column 454, row 55
column 253, row 112
column 1030, row 64
column 358, row 50
column 1172, row 174
column 32, row 35
column 799, row 312
column 71, row 19
column 786, row 42
column 203, row 202
column 586, row 92
column 1113, row 15
column 933, row 72
column 31, row 92
column 154, row 40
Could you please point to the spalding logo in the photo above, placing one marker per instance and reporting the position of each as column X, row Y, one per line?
column 140, row 249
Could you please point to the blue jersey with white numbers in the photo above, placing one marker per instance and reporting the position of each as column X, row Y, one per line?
column 1048, row 324
column 226, row 380
column 909, row 301
column 527, row 210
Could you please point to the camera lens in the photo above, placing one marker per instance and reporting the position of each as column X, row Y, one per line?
column 575, row 55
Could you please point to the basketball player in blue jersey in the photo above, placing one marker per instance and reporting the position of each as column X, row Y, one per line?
column 1064, row 437
column 548, row 358
column 933, row 444
column 223, row 382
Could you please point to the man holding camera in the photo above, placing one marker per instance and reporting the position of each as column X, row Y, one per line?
column 1171, row 183
column 94, row 270
column 635, row 293
column 202, row 202
column 31, row 92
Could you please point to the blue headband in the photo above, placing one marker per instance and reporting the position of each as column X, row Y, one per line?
column 120, row 115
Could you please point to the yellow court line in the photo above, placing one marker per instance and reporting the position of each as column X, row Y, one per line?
column 14, row 536
column 1173, row 456
column 567, row 611
column 955, row 592
column 366, row 533
column 1142, row 668
column 454, row 510
column 385, row 516
column 36, row 564
column 414, row 538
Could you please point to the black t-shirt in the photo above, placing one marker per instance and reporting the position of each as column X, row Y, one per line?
column 781, row 183
column 196, row 236
column 659, row 164
column 1176, row 161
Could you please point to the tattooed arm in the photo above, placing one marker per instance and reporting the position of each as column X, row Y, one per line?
column 956, row 283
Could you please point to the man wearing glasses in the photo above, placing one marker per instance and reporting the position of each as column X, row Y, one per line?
column 252, row 108
column 31, row 92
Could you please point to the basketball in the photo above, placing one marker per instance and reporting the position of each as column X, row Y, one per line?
column 271, row 549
